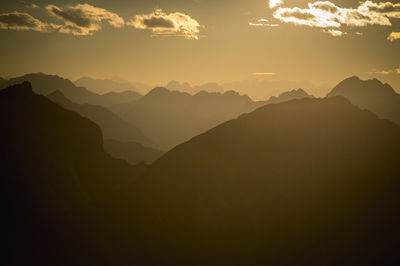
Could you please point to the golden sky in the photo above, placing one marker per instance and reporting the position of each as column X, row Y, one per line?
column 202, row 40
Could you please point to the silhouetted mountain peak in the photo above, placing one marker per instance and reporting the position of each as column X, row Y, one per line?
column 290, row 95
column 23, row 88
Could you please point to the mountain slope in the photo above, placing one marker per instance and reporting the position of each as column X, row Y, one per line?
column 112, row 126
column 132, row 152
column 46, row 84
column 372, row 95
column 52, row 168
column 305, row 182
column 172, row 117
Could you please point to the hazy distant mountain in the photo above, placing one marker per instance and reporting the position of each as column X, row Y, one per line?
column 102, row 86
column 52, row 167
column 172, row 117
column 132, row 152
column 46, row 84
column 372, row 95
column 186, row 87
column 260, row 89
column 112, row 126
column 305, row 182
column 289, row 95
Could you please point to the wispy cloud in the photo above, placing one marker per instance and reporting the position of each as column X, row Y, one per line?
column 22, row 21
column 263, row 23
column 172, row 24
column 335, row 33
column 264, row 74
column 385, row 72
column 83, row 19
column 393, row 36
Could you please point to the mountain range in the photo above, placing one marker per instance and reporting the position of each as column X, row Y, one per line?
column 172, row 117
column 302, row 182
column 112, row 126
column 46, row 84
column 102, row 86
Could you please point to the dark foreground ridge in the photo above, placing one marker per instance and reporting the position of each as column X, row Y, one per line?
column 304, row 182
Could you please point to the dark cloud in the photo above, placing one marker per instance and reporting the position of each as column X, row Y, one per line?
column 21, row 21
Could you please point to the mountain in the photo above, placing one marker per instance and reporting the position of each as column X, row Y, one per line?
column 103, row 86
column 186, row 87
column 304, row 182
column 112, row 126
column 172, row 117
column 261, row 89
column 132, row 152
column 46, row 84
column 372, row 95
column 289, row 95
column 53, row 168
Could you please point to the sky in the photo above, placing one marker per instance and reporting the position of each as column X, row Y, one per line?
column 198, row 41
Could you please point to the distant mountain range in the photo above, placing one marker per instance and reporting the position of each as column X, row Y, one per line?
column 172, row 117
column 112, row 126
column 372, row 95
column 289, row 95
column 46, row 84
column 186, row 87
column 303, row 182
column 102, row 86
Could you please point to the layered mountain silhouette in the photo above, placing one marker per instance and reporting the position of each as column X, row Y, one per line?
column 186, row 87
column 52, row 167
column 372, row 95
column 132, row 152
column 289, row 95
column 305, row 182
column 46, row 84
column 172, row 117
column 103, row 86
column 112, row 126
column 302, row 182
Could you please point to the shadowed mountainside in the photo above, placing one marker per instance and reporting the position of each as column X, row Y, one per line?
column 172, row 117
column 112, row 126
column 46, row 84
column 52, row 167
column 372, row 95
column 305, row 182
column 132, row 152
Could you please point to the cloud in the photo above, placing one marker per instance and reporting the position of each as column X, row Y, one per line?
column 394, row 36
column 262, row 23
column 275, row 3
column 385, row 72
column 83, row 19
column 264, row 74
column 325, row 14
column 32, row 6
column 22, row 21
column 173, row 24
column 335, row 33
